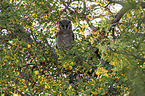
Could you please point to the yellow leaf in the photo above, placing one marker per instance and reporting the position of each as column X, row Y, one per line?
column 69, row 87
column 39, row 76
column 14, row 94
column 29, row 45
column 46, row 86
column 36, row 72
column 27, row 90
column 7, row 57
column 84, row 26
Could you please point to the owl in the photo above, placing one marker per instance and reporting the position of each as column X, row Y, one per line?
column 64, row 36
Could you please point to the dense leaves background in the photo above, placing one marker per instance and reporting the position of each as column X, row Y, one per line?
column 30, row 64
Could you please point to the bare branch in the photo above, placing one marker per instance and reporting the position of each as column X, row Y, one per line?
column 84, row 9
column 119, row 15
column 132, row 54
column 123, row 4
column 107, row 5
column 91, row 25
column 117, row 1
column 126, row 7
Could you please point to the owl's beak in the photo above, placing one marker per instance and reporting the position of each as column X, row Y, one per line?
column 68, row 27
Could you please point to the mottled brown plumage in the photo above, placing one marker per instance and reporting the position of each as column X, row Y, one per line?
column 64, row 36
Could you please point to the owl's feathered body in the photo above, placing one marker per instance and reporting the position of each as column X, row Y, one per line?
column 64, row 36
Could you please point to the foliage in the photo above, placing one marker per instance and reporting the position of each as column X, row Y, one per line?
column 30, row 64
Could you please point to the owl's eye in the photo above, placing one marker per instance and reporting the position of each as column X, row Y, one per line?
column 63, row 26
column 66, row 26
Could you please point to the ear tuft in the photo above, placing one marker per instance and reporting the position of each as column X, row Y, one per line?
column 69, row 21
column 59, row 22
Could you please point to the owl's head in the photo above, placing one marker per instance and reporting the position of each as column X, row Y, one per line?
column 65, row 25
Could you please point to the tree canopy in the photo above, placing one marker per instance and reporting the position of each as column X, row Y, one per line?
column 107, row 56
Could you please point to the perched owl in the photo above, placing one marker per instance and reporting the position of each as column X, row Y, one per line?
column 64, row 36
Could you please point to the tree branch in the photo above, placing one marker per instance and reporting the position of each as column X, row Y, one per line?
column 132, row 54
column 94, row 29
column 126, row 7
